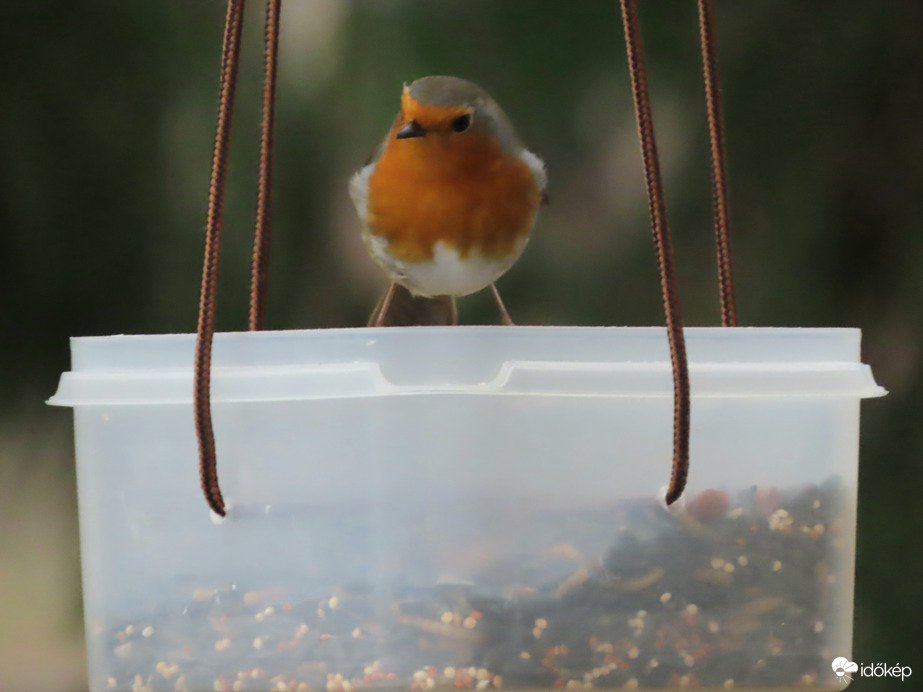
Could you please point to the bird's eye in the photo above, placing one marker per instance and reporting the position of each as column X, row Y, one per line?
column 462, row 122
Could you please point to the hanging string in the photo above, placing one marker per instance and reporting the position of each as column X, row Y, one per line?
column 258, row 270
column 661, row 230
column 230, row 60
column 718, row 160
column 228, row 82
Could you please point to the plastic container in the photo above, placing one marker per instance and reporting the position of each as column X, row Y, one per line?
column 469, row 508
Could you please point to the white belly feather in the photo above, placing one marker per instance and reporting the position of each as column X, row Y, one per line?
column 446, row 273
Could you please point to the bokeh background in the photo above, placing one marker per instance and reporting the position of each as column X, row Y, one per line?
column 106, row 127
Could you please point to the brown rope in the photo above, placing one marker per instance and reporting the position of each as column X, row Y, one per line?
column 718, row 160
column 661, row 231
column 258, row 270
column 230, row 60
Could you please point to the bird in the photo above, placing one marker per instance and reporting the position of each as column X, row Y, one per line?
column 447, row 202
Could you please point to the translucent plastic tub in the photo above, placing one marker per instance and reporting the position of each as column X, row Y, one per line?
column 469, row 508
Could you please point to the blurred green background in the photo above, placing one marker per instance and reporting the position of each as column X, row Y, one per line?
column 106, row 126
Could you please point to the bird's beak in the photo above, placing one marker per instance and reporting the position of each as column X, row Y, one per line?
column 411, row 129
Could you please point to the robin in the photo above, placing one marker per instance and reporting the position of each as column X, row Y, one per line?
column 447, row 203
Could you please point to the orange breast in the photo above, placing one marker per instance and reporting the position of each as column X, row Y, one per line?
column 456, row 188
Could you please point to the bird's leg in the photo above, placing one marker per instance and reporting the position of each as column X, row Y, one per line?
column 385, row 304
column 504, row 315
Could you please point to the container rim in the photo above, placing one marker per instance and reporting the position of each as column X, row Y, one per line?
column 469, row 360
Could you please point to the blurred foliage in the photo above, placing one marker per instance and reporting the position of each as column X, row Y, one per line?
column 106, row 126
